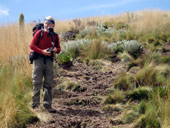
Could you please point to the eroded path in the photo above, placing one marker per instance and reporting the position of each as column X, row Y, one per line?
column 81, row 106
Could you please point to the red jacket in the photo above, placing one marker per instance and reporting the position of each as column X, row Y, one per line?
column 44, row 43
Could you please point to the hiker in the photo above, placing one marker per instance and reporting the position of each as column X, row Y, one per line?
column 43, row 64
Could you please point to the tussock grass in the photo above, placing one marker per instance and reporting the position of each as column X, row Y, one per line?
column 126, row 57
column 152, row 75
column 140, row 93
column 130, row 116
column 151, row 28
column 165, row 59
column 14, row 87
column 94, row 51
column 124, row 82
column 152, row 91
column 165, row 114
column 116, row 97
column 135, row 63
column 72, row 86
column 15, row 78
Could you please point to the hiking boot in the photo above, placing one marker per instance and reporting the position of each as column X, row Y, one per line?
column 35, row 106
column 50, row 110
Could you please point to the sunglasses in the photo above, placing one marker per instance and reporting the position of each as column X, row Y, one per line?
column 49, row 21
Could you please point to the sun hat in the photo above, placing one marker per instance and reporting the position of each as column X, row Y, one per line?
column 49, row 19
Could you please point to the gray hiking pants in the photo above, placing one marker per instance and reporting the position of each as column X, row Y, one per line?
column 42, row 70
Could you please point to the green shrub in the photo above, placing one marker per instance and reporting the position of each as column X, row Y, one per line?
column 73, row 48
column 140, row 93
column 87, row 31
column 64, row 58
column 115, row 47
column 102, row 31
column 133, row 47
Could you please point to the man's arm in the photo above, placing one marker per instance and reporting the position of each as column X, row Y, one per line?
column 34, row 42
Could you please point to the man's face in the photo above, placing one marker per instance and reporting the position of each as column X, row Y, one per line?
column 48, row 25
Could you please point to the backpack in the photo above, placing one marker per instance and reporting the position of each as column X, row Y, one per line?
column 38, row 27
column 33, row 55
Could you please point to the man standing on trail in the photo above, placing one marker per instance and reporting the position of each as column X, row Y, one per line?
column 43, row 65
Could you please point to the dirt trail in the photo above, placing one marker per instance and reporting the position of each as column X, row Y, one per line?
column 82, row 108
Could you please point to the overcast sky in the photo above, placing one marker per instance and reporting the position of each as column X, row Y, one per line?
column 69, row 9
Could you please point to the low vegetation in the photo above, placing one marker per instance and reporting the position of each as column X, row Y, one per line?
column 142, row 97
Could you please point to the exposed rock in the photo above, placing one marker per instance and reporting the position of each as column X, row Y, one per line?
column 69, row 35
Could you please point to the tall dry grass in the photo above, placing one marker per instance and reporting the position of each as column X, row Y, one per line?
column 145, row 21
column 63, row 26
column 15, row 46
column 150, row 21
column 15, row 75
column 14, row 41
column 15, row 70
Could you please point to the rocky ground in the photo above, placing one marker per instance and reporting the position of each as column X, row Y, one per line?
column 83, row 106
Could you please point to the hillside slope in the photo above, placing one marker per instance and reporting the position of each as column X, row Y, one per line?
column 82, row 107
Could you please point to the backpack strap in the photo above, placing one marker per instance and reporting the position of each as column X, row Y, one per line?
column 56, row 41
column 52, row 39
column 41, row 36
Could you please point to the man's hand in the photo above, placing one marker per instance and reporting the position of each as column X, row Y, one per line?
column 55, row 49
column 46, row 53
